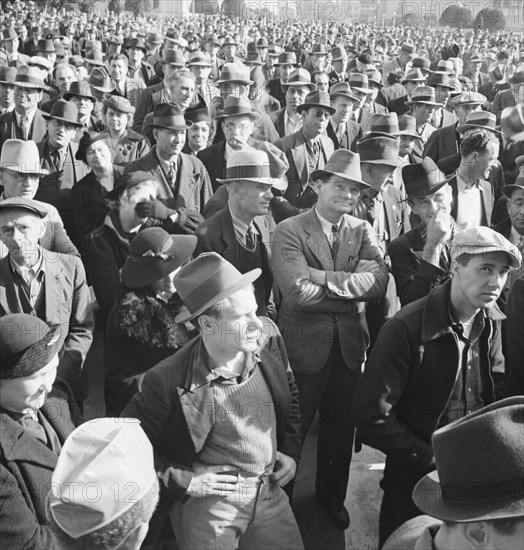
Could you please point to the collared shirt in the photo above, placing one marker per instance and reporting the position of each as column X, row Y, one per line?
column 515, row 237
column 166, row 165
column 32, row 278
column 291, row 125
column 469, row 205
column 241, row 228
column 327, row 226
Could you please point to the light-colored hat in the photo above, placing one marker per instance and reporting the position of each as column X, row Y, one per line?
column 512, row 122
column 99, row 456
column 425, row 95
column 29, row 77
column 21, row 156
column 237, row 106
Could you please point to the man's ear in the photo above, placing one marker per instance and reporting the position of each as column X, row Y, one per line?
column 476, row 533
column 41, row 231
column 455, row 268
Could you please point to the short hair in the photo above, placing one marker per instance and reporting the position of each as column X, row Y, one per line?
column 476, row 142
column 180, row 74
column 316, row 73
column 63, row 65
column 118, row 57
column 112, row 535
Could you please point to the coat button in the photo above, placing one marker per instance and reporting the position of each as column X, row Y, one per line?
column 414, row 457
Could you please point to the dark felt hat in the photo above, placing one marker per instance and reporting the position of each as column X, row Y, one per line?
column 169, row 116
column 422, row 179
column 64, row 111
column 344, row 164
column 379, row 150
column 317, row 99
column 86, row 141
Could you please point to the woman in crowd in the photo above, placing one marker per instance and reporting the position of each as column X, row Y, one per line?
column 141, row 328
column 201, row 133
column 89, row 195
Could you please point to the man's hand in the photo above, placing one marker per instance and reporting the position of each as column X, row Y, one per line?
column 367, row 266
column 153, row 209
column 208, row 481
column 438, row 228
column 285, row 469
column 188, row 220
column 217, row 103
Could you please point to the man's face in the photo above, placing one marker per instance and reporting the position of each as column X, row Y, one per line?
column 198, row 135
column 231, row 88
column 295, row 96
column 318, row 62
column 478, row 284
column 169, row 142
column 284, row 71
column 406, row 145
column 361, row 96
column 340, row 65
column 229, row 51
column 182, row 91
column 237, row 130
column 85, row 106
column 462, row 112
column 322, row 82
column 344, row 107
column 20, row 231
column 19, row 185
column 427, row 207
column 441, row 94
column 64, row 77
column 337, row 196
column 251, row 198
column 135, row 56
column 516, row 210
column 28, row 392
column 211, row 49
column 7, row 95
column 201, row 73
column 27, row 99
column 487, row 158
column 315, row 120
column 423, row 112
column 475, row 67
column 60, row 133
column 118, row 69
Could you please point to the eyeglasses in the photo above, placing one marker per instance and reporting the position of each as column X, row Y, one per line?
column 242, row 126
column 320, row 113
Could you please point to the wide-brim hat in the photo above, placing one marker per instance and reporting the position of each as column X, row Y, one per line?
column 344, row 164
column 249, row 165
column 154, row 38
column 317, row 99
column 360, row 82
column 120, row 104
column 95, row 57
column 137, row 43
column 27, row 345
column 287, row 58
column 384, row 124
column 414, row 75
column 375, row 77
column 342, row 89
column 233, row 72
column 173, row 57
column 169, row 116
column 479, row 119
column 65, row 111
column 517, row 77
column 207, row 280
column 508, row 190
column 154, row 254
column 379, row 149
column 7, row 75
column 21, row 156
column 423, row 95
column 79, row 89
column 199, row 59
column 480, row 466
column 299, row 77
column 29, row 77
column 422, row 179
column 407, row 125
column 512, row 122
column 101, row 81
column 237, row 106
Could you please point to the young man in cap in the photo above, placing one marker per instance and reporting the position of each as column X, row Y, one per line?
column 118, row 455
column 437, row 360
column 326, row 264
column 25, row 121
column 184, row 184
column 342, row 129
column 475, row 498
column 215, row 463
column 37, row 413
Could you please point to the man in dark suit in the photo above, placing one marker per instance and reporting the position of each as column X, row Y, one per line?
column 326, row 264
column 339, row 60
column 183, row 183
column 287, row 63
column 51, row 286
column 509, row 98
column 343, row 131
column 474, row 73
column 366, row 93
column 138, row 69
column 212, row 47
column 25, row 121
column 496, row 83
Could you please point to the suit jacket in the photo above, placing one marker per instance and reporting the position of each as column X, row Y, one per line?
column 9, row 128
column 398, row 105
column 490, row 89
column 503, row 99
column 278, row 119
column 446, row 119
column 132, row 91
column 175, row 406
column 145, row 105
column 352, row 135
column 213, row 158
column 514, row 338
column 294, row 147
column 309, row 312
column 486, row 200
column 194, row 185
column 508, row 155
column 26, row 467
column 67, row 303
column 334, row 77
column 442, row 143
column 274, row 88
column 216, row 67
column 367, row 113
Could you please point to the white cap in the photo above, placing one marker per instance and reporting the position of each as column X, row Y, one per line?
column 105, row 467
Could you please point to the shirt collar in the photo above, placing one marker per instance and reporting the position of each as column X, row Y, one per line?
column 240, row 226
column 166, row 165
column 30, row 117
column 326, row 224
column 462, row 185
column 38, row 268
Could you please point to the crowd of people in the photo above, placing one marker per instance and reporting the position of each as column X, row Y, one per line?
column 260, row 222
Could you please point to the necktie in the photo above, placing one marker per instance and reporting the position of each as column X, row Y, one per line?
column 341, row 130
column 171, row 175
column 335, row 241
column 24, row 126
column 57, row 160
column 250, row 239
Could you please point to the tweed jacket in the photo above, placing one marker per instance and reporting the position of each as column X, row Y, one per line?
column 133, row 89
column 145, row 105
column 9, row 128
column 67, row 303
column 311, row 313
column 350, row 138
column 410, row 375
column 442, row 143
column 194, row 185
column 26, row 467
column 294, row 146
column 176, row 404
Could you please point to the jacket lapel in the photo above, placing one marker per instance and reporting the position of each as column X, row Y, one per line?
column 53, row 294
column 316, row 241
column 9, row 300
column 299, row 155
column 349, row 244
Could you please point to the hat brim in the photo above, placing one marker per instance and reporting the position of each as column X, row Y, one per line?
column 68, row 95
column 252, row 115
column 306, row 106
column 363, row 90
column 385, row 162
column 246, row 279
column 137, row 274
column 347, row 96
column 278, row 183
column 434, row 103
column 177, row 127
column 51, row 117
column 239, row 80
column 103, row 89
column 200, row 64
column 24, row 170
column 29, row 85
column 316, row 174
column 508, row 190
column 465, row 127
column 427, row 496
column 427, row 193
column 80, row 154
column 308, row 85
column 406, row 133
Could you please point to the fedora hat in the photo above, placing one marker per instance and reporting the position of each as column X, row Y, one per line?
column 414, row 75
column 206, row 281
column 475, row 59
column 344, row 164
column 175, row 58
column 317, row 99
column 425, row 95
column 342, row 89
column 212, row 39
column 480, row 466
column 338, row 53
column 154, row 38
column 199, row 59
column 87, row 139
column 407, row 126
column 95, row 57
column 101, row 81
column 21, row 156
column 262, row 43
column 439, row 79
column 79, row 89
column 421, row 63
column 479, row 119
column 29, row 77
column 422, row 179
column 253, row 58
column 229, row 41
column 22, row 203
column 154, row 254
column 375, row 77
column 274, row 50
column 287, row 58
column 41, row 62
column 198, row 113
column 137, row 43
column 233, row 72
column 512, row 122
column 384, row 125
column 27, row 345
column 251, row 165
column 445, row 66
column 7, row 75
column 409, row 49
column 120, row 104
column 360, row 82
column 170, row 117
column 237, row 106
column 64, row 111
column 508, row 190
column 379, row 150
column 299, row 77
column 319, row 49
column 45, row 45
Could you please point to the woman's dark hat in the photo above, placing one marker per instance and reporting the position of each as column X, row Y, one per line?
column 85, row 142
column 154, row 254
column 127, row 180
column 27, row 344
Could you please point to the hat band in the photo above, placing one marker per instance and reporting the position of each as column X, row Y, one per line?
column 170, row 121
column 423, row 98
column 23, row 79
column 248, row 171
column 205, row 292
column 478, row 494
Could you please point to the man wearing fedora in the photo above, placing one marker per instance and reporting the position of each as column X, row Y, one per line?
column 81, row 95
column 37, row 414
column 326, row 264
column 423, row 105
column 199, row 64
column 223, row 467
column 9, row 40
column 25, row 121
column 58, row 157
column 51, row 286
column 287, row 63
column 477, row 77
column 239, row 232
column 130, row 88
column 511, row 97
column 439, row 359
column 183, row 182
column 365, row 106
column 410, row 81
column 20, row 173
column 342, row 129
column 339, row 60
column 474, row 499
column 212, row 47
column 138, row 69
column 7, row 89
column 402, row 61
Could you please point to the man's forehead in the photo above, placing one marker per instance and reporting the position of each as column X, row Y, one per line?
column 494, row 258
column 10, row 216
